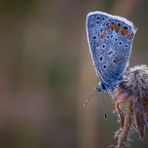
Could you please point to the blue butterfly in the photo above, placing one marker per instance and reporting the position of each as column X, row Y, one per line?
column 110, row 40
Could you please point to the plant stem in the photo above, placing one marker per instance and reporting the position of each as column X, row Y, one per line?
column 125, row 130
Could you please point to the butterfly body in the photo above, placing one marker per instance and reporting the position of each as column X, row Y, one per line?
column 110, row 40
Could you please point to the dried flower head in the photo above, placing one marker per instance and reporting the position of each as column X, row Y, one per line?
column 131, row 102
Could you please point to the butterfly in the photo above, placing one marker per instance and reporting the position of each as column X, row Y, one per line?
column 110, row 40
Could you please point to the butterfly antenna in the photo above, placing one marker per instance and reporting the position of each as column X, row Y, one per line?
column 89, row 97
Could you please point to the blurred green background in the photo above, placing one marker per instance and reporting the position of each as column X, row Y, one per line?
column 46, row 73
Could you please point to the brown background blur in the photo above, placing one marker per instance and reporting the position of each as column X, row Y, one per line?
column 46, row 73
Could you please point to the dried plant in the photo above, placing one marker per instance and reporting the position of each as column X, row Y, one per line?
column 131, row 104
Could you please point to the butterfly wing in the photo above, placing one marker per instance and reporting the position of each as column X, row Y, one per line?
column 110, row 40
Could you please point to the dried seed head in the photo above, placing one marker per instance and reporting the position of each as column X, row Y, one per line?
column 134, row 86
column 137, row 81
column 132, row 95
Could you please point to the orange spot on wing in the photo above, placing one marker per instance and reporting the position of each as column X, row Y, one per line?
column 97, row 42
column 113, row 26
column 118, row 28
column 117, row 60
column 101, row 34
column 124, row 31
column 108, row 27
column 130, row 36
